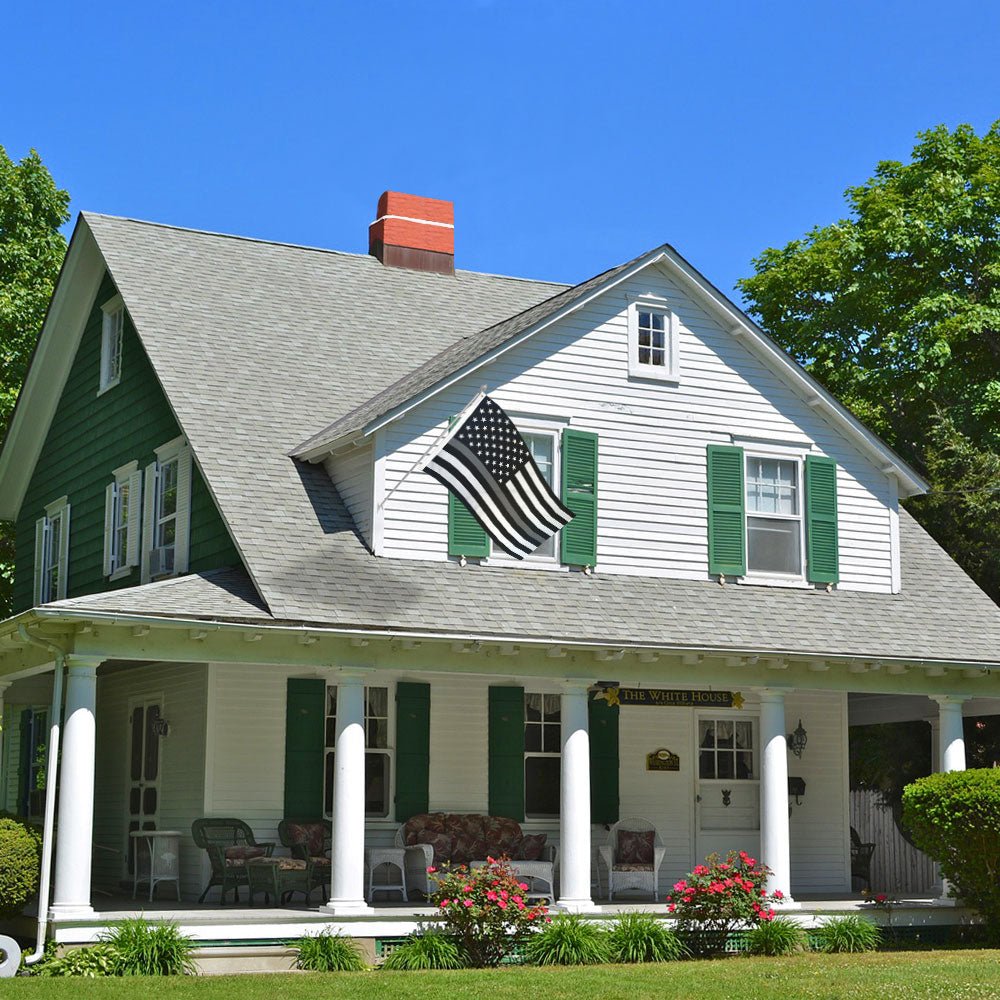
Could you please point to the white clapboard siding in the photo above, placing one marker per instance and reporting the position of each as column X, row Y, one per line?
column 182, row 766
column 653, row 435
column 898, row 868
column 352, row 473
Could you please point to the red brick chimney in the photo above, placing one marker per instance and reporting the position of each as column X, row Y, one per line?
column 414, row 232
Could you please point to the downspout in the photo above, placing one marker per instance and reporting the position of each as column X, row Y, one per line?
column 51, row 773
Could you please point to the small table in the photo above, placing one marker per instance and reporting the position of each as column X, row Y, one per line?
column 376, row 856
column 163, row 856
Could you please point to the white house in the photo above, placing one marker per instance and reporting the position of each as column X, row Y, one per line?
column 264, row 612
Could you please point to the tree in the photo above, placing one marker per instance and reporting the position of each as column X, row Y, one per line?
column 896, row 310
column 32, row 248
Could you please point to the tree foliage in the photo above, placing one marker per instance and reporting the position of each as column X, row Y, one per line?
column 896, row 310
column 32, row 208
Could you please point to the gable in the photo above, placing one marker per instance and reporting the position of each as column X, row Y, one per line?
column 89, row 436
column 653, row 437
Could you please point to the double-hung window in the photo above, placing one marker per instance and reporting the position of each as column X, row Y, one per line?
column 166, row 513
column 52, row 552
column 378, row 753
column 652, row 340
column 122, row 504
column 774, row 516
column 542, row 758
column 112, row 337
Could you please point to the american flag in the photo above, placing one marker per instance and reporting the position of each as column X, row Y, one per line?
column 487, row 465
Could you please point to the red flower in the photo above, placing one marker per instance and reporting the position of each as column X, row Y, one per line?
column 778, row 894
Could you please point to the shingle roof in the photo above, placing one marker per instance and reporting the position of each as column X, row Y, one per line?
column 255, row 342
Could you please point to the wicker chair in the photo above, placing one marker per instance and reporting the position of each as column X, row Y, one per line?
column 309, row 840
column 624, row 872
column 230, row 845
column 861, row 859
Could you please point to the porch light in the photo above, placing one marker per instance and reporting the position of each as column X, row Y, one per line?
column 797, row 740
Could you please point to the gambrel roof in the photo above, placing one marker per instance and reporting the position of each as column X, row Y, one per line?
column 257, row 344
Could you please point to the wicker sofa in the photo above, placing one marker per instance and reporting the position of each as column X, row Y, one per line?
column 433, row 839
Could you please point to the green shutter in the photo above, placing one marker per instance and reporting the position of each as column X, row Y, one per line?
column 413, row 749
column 466, row 536
column 305, row 743
column 727, row 552
column 579, row 494
column 506, row 752
column 822, row 562
column 603, row 726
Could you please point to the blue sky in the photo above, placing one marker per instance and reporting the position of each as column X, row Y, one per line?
column 570, row 136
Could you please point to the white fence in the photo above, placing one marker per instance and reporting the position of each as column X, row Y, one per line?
column 897, row 866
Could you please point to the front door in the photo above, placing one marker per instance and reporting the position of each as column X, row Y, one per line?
column 144, row 771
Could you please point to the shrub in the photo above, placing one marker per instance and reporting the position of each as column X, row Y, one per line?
column 568, row 940
column 851, row 933
column 429, row 949
column 954, row 817
column 146, row 948
column 20, row 862
column 97, row 960
column 719, row 896
column 484, row 910
column 780, row 936
column 641, row 937
column 326, row 952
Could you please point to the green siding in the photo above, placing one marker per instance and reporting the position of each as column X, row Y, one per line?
column 413, row 749
column 91, row 435
column 506, row 752
column 603, row 732
column 305, row 739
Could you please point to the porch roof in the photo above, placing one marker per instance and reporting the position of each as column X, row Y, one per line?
column 939, row 615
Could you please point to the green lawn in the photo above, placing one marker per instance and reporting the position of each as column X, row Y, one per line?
column 956, row 975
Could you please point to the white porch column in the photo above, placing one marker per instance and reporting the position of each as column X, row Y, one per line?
column 347, row 894
column 774, row 844
column 574, row 806
column 74, row 841
column 949, row 755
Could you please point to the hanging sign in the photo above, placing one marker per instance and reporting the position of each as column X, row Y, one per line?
column 662, row 760
column 670, row 699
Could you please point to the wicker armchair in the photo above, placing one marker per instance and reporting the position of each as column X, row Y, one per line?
column 309, row 840
column 230, row 845
column 861, row 859
column 632, row 862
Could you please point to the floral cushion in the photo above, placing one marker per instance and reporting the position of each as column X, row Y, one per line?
column 635, row 847
column 530, row 848
column 467, row 848
column 503, row 836
column 237, row 857
column 423, row 822
column 633, row 867
column 464, row 837
column 440, row 842
column 285, row 864
column 320, row 862
column 311, row 835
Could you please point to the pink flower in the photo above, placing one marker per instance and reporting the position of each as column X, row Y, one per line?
column 431, row 869
column 468, row 888
column 468, row 902
column 491, row 896
column 517, row 899
column 501, row 904
column 880, row 897
column 680, row 886
column 503, row 894
column 671, row 908
column 523, row 886
column 700, row 870
column 778, row 894
column 444, row 903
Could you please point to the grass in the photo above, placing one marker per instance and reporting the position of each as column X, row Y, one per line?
column 930, row 975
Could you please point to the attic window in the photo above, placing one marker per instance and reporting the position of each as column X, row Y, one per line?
column 112, row 334
column 652, row 340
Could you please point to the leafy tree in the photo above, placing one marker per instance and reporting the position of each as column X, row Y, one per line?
column 32, row 248
column 896, row 310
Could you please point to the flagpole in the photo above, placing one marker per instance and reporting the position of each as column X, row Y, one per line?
column 438, row 443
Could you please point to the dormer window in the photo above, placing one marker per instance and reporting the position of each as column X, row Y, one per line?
column 112, row 334
column 652, row 340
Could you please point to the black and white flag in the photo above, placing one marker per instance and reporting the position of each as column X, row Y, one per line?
column 487, row 465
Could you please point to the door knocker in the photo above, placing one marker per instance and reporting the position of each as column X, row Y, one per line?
column 727, row 794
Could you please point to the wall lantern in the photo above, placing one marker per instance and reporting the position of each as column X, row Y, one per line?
column 797, row 740
column 160, row 727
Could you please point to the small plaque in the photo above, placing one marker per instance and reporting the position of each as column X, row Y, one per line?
column 662, row 760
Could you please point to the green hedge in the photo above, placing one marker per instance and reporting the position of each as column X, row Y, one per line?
column 20, row 864
column 954, row 817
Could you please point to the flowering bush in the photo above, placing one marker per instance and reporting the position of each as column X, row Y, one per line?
column 485, row 909
column 719, row 896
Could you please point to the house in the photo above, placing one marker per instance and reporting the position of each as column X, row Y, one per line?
column 263, row 611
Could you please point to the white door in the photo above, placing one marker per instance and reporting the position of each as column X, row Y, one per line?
column 143, row 772
column 727, row 786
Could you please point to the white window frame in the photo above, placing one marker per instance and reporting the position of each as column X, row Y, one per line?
column 112, row 342
column 668, row 372
column 175, row 450
column 387, row 751
column 537, row 426
column 52, row 553
column 540, row 753
column 119, row 561
column 724, row 716
column 759, row 576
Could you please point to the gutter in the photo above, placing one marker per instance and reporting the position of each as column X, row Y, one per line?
column 51, row 771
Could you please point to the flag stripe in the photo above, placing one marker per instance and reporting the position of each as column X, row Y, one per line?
column 458, row 485
column 560, row 514
column 525, row 494
column 519, row 519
